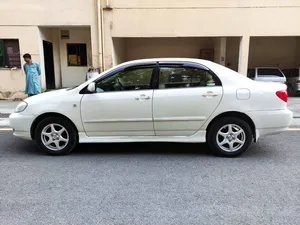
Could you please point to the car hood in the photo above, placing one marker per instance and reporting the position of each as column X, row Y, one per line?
column 51, row 95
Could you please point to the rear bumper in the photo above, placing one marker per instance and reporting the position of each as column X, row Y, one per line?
column 271, row 122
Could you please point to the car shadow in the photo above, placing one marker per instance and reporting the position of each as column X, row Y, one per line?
column 142, row 148
column 21, row 147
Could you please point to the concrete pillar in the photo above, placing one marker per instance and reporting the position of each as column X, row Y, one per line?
column 41, row 61
column 108, row 41
column 94, row 47
column 244, row 55
column 220, row 50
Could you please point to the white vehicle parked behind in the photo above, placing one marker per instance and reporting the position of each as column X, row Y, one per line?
column 157, row 100
column 266, row 74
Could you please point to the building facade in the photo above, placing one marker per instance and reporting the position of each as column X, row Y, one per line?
column 68, row 37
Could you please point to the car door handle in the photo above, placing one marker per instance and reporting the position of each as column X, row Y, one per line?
column 142, row 97
column 210, row 94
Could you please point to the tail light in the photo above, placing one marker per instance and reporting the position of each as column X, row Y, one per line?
column 283, row 95
column 298, row 81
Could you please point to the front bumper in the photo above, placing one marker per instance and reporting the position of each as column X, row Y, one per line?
column 21, row 125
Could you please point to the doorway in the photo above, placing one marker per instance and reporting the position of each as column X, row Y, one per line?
column 49, row 64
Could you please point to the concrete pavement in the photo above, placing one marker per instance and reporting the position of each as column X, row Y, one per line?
column 7, row 106
column 294, row 106
column 165, row 184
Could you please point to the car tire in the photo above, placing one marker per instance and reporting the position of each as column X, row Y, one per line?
column 56, row 136
column 229, row 137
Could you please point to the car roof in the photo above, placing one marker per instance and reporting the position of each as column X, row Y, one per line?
column 170, row 59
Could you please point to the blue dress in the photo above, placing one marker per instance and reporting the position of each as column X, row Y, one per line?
column 32, row 71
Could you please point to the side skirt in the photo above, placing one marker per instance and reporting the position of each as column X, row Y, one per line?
column 199, row 137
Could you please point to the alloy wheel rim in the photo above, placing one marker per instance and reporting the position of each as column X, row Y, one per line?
column 55, row 137
column 231, row 138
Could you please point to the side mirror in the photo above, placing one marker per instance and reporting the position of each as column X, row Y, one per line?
column 92, row 87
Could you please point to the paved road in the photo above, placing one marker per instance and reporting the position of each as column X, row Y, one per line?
column 177, row 184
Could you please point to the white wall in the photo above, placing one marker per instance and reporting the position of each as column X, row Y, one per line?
column 48, row 12
column 74, row 75
column 201, row 3
column 14, row 80
column 52, row 13
column 215, row 18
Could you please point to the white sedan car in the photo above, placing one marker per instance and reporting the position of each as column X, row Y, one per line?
column 157, row 100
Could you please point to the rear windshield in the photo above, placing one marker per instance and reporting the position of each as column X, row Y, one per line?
column 269, row 72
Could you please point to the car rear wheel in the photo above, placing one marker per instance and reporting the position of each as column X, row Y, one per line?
column 56, row 136
column 229, row 137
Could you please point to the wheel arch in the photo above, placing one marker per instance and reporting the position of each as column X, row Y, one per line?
column 45, row 115
column 235, row 114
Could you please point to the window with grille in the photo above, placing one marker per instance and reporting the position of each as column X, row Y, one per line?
column 77, row 55
column 9, row 53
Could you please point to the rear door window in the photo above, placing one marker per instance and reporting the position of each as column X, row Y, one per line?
column 185, row 77
column 269, row 72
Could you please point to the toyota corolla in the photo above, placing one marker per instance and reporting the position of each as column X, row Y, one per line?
column 157, row 100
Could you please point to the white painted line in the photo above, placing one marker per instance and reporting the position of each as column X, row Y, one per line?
column 6, row 129
column 293, row 129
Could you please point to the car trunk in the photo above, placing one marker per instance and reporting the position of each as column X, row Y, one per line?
column 270, row 78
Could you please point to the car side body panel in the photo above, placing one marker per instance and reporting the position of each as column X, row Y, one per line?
column 261, row 103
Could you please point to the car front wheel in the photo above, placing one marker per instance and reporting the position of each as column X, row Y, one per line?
column 229, row 136
column 56, row 136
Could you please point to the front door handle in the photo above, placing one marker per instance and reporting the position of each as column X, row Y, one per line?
column 142, row 97
column 210, row 94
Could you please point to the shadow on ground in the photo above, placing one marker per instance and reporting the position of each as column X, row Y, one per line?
column 13, row 145
column 142, row 148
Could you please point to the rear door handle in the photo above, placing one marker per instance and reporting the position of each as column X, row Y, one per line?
column 142, row 97
column 210, row 94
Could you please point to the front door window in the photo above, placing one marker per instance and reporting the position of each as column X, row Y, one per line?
column 127, row 80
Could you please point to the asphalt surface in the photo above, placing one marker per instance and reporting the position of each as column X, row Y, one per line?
column 150, row 184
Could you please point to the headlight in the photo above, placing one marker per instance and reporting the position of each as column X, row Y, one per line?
column 21, row 107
